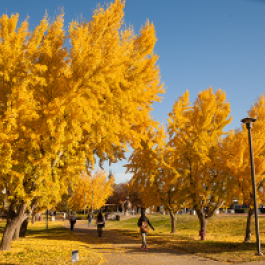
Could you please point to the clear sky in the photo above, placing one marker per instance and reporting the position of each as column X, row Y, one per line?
column 201, row 43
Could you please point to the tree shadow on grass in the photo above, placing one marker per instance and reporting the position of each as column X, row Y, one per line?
column 48, row 232
column 54, row 233
column 223, row 246
column 126, row 237
column 186, row 244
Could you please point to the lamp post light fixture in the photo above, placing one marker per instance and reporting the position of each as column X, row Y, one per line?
column 248, row 122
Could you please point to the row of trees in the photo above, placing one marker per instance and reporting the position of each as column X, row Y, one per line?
column 195, row 164
column 105, row 191
column 59, row 109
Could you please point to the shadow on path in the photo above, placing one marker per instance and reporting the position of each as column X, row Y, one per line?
column 120, row 249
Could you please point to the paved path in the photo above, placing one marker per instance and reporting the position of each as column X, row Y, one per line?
column 124, row 250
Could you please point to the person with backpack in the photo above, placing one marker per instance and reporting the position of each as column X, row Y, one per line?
column 72, row 219
column 143, row 223
column 100, row 223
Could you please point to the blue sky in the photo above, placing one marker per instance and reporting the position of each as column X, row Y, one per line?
column 201, row 43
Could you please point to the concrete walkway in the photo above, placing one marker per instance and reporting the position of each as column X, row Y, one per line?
column 124, row 250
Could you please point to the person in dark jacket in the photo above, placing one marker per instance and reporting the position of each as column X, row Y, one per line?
column 72, row 219
column 100, row 223
column 143, row 233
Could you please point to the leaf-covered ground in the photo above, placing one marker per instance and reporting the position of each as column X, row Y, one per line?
column 52, row 246
column 224, row 238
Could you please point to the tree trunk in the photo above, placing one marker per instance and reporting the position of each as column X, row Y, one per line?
column 16, row 234
column 11, row 224
column 7, row 236
column 33, row 219
column 203, row 221
column 248, row 228
column 23, row 228
column 173, row 221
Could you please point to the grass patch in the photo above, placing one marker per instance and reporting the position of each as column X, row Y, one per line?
column 224, row 238
column 52, row 246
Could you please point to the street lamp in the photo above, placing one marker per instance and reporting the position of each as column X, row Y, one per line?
column 248, row 122
column 92, row 201
column 84, row 203
column 47, row 218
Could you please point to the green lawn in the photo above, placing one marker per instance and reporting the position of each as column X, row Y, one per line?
column 224, row 238
column 54, row 246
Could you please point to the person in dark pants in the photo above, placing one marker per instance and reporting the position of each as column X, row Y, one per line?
column 143, row 223
column 100, row 223
column 72, row 219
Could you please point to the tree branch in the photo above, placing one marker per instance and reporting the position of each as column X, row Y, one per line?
column 56, row 160
column 211, row 213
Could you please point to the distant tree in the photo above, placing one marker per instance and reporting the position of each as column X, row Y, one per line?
column 63, row 205
column 194, row 140
column 150, row 180
column 101, row 186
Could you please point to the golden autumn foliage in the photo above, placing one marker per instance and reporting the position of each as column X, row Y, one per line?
column 144, row 165
column 60, row 108
column 237, row 153
column 102, row 189
column 150, row 177
column 184, row 171
column 39, row 90
column 194, row 135
column 151, row 180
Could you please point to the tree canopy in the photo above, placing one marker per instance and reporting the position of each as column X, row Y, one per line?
column 98, row 183
column 60, row 108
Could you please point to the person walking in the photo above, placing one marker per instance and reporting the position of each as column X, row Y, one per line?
column 100, row 223
column 64, row 215
column 72, row 219
column 90, row 218
column 143, row 223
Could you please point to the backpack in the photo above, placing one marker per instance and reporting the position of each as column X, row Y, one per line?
column 144, row 227
column 74, row 220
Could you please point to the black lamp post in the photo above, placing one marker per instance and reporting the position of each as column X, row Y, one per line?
column 248, row 122
column 92, row 201
column 47, row 220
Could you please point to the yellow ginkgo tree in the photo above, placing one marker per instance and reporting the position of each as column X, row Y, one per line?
column 82, row 193
column 195, row 133
column 59, row 109
column 150, row 179
column 237, row 161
